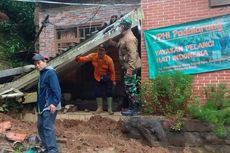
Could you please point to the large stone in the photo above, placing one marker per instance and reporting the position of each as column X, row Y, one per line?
column 176, row 139
column 148, row 129
column 192, row 125
column 217, row 148
column 227, row 142
column 193, row 139
column 209, row 138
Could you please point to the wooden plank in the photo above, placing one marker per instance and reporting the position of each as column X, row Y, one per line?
column 15, row 71
column 11, row 93
column 30, row 98
column 64, row 59
column 10, row 72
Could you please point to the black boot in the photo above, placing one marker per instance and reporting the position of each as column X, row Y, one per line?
column 132, row 111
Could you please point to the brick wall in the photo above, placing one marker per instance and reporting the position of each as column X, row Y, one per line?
column 161, row 13
column 71, row 16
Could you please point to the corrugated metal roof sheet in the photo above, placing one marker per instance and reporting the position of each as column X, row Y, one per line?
column 86, row 2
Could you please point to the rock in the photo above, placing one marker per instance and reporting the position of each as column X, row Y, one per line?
column 15, row 136
column 193, row 139
column 176, row 139
column 227, row 142
column 148, row 129
column 192, row 125
column 217, row 148
column 211, row 139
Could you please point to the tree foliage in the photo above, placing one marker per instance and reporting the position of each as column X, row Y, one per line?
column 17, row 33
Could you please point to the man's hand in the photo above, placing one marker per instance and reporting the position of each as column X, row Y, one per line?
column 129, row 72
column 77, row 58
column 114, row 83
column 52, row 108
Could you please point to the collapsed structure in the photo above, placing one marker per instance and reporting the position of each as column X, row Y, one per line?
column 65, row 62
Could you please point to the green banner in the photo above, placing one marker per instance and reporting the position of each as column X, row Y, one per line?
column 193, row 47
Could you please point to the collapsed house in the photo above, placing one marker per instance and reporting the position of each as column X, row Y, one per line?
column 69, row 26
column 69, row 31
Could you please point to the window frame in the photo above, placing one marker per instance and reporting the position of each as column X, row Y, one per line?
column 218, row 3
column 76, row 37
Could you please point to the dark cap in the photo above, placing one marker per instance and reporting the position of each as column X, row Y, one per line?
column 38, row 57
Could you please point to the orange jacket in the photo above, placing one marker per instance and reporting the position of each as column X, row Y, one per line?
column 102, row 67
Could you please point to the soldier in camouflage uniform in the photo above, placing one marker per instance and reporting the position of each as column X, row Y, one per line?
column 131, row 62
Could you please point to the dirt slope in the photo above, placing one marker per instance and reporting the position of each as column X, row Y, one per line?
column 97, row 135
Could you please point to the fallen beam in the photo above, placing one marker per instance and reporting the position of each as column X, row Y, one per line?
column 11, row 93
column 16, row 71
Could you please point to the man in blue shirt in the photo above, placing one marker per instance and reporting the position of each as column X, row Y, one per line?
column 48, row 102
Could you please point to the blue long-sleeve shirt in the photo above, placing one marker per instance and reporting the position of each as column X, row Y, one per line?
column 49, row 91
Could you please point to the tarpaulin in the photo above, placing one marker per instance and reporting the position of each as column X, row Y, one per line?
column 193, row 47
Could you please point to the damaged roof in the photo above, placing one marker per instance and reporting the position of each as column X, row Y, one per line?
column 84, row 2
column 65, row 61
column 98, row 1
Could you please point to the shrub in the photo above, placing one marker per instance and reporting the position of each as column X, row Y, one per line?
column 10, row 105
column 217, row 96
column 216, row 111
column 166, row 94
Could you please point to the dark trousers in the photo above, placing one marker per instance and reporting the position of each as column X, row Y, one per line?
column 104, row 88
column 45, row 125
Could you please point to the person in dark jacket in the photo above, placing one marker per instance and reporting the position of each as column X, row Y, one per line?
column 113, row 19
column 48, row 103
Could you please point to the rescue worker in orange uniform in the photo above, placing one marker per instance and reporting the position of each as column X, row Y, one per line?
column 104, row 75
